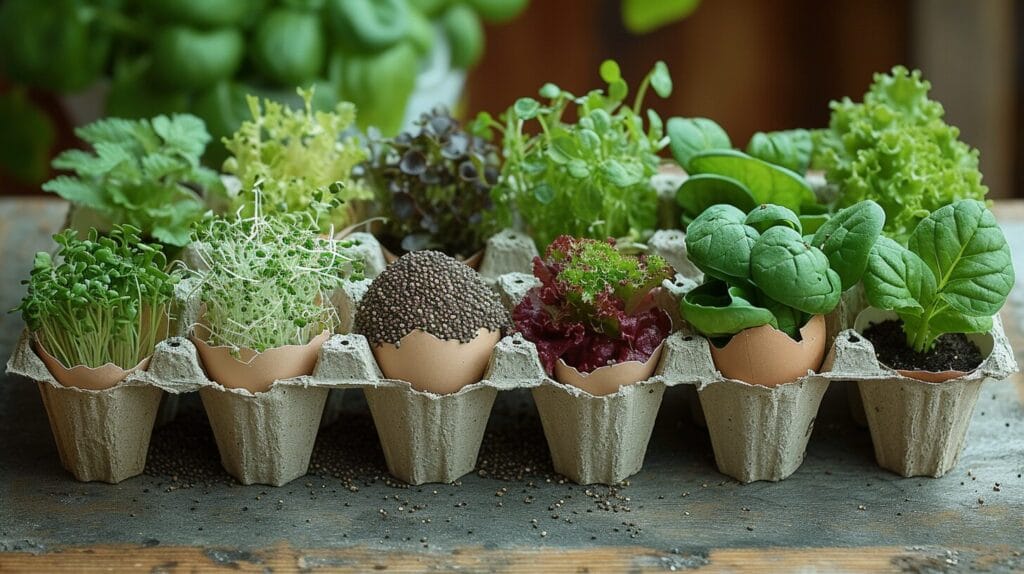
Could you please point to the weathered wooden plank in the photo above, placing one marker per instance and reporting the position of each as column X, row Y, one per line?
column 597, row 560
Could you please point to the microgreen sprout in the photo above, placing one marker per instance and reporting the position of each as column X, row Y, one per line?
column 301, row 160
column 266, row 281
column 103, row 299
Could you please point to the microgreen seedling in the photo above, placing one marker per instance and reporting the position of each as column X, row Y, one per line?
column 590, row 178
column 433, row 186
column 102, row 299
column 266, row 281
column 301, row 160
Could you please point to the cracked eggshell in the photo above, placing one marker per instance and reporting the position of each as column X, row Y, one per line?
column 434, row 365
column 253, row 371
column 83, row 377
column 768, row 357
column 608, row 379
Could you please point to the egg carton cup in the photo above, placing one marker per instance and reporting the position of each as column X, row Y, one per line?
column 104, row 435
column 918, row 428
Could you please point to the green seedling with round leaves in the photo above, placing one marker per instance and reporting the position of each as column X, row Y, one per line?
column 589, row 177
column 761, row 270
column 102, row 299
column 771, row 171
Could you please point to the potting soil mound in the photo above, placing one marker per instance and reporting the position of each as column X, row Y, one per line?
column 430, row 291
column 952, row 351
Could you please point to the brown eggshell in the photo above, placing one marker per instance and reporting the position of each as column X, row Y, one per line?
column 434, row 365
column 253, row 371
column 83, row 377
column 766, row 356
column 607, row 380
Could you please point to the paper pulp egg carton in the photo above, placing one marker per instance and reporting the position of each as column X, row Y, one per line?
column 918, row 428
column 268, row 437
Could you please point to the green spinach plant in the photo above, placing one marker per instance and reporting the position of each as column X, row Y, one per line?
column 266, row 281
column 433, row 186
column 952, row 277
column 588, row 178
column 298, row 160
column 761, row 270
column 894, row 148
column 103, row 299
column 770, row 172
column 144, row 173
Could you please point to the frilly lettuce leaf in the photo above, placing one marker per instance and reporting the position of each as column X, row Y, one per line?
column 895, row 149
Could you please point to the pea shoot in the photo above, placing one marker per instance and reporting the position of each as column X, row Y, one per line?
column 102, row 299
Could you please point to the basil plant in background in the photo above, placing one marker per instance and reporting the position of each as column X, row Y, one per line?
column 771, row 170
column 102, row 299
column 587, row 178
column 895, row 149
column 952, row 277
column 143, row 173
column 297, row 160
column 761, row 270
column 433, row 186
column 204, row 56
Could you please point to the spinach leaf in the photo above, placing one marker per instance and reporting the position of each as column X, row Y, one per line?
column 768, row 215
column 767, row 182
column 690, row 136
column 719, row 310
column 699, row 192
column 794, row 273
column 790, row 149
column 954, row 275
column 719, row 242
column 844, row 236
column 762, row 271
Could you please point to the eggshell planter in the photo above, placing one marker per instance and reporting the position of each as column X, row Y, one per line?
column 269, row 440
column 766, row 356
column 434, row 365
column 919, row 425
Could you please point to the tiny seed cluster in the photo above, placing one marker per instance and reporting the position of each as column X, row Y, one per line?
column 430, row 291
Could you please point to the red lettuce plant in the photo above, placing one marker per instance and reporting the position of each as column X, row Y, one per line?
column 595, row 305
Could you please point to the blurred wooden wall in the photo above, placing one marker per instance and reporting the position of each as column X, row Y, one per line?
column 755, row 65
column 749, row 64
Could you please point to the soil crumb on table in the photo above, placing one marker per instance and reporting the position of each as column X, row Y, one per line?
column 952, row 351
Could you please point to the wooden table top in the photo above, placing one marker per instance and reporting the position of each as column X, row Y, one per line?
column 838, row 512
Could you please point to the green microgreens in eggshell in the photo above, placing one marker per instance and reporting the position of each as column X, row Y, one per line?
column 266, row 281
column 102, row 299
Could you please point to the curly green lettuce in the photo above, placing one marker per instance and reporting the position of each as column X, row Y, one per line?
column 894, row 148
column 301, row 160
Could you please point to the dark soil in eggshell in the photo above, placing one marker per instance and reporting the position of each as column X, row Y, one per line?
column 952, row 351
column 432, row 292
